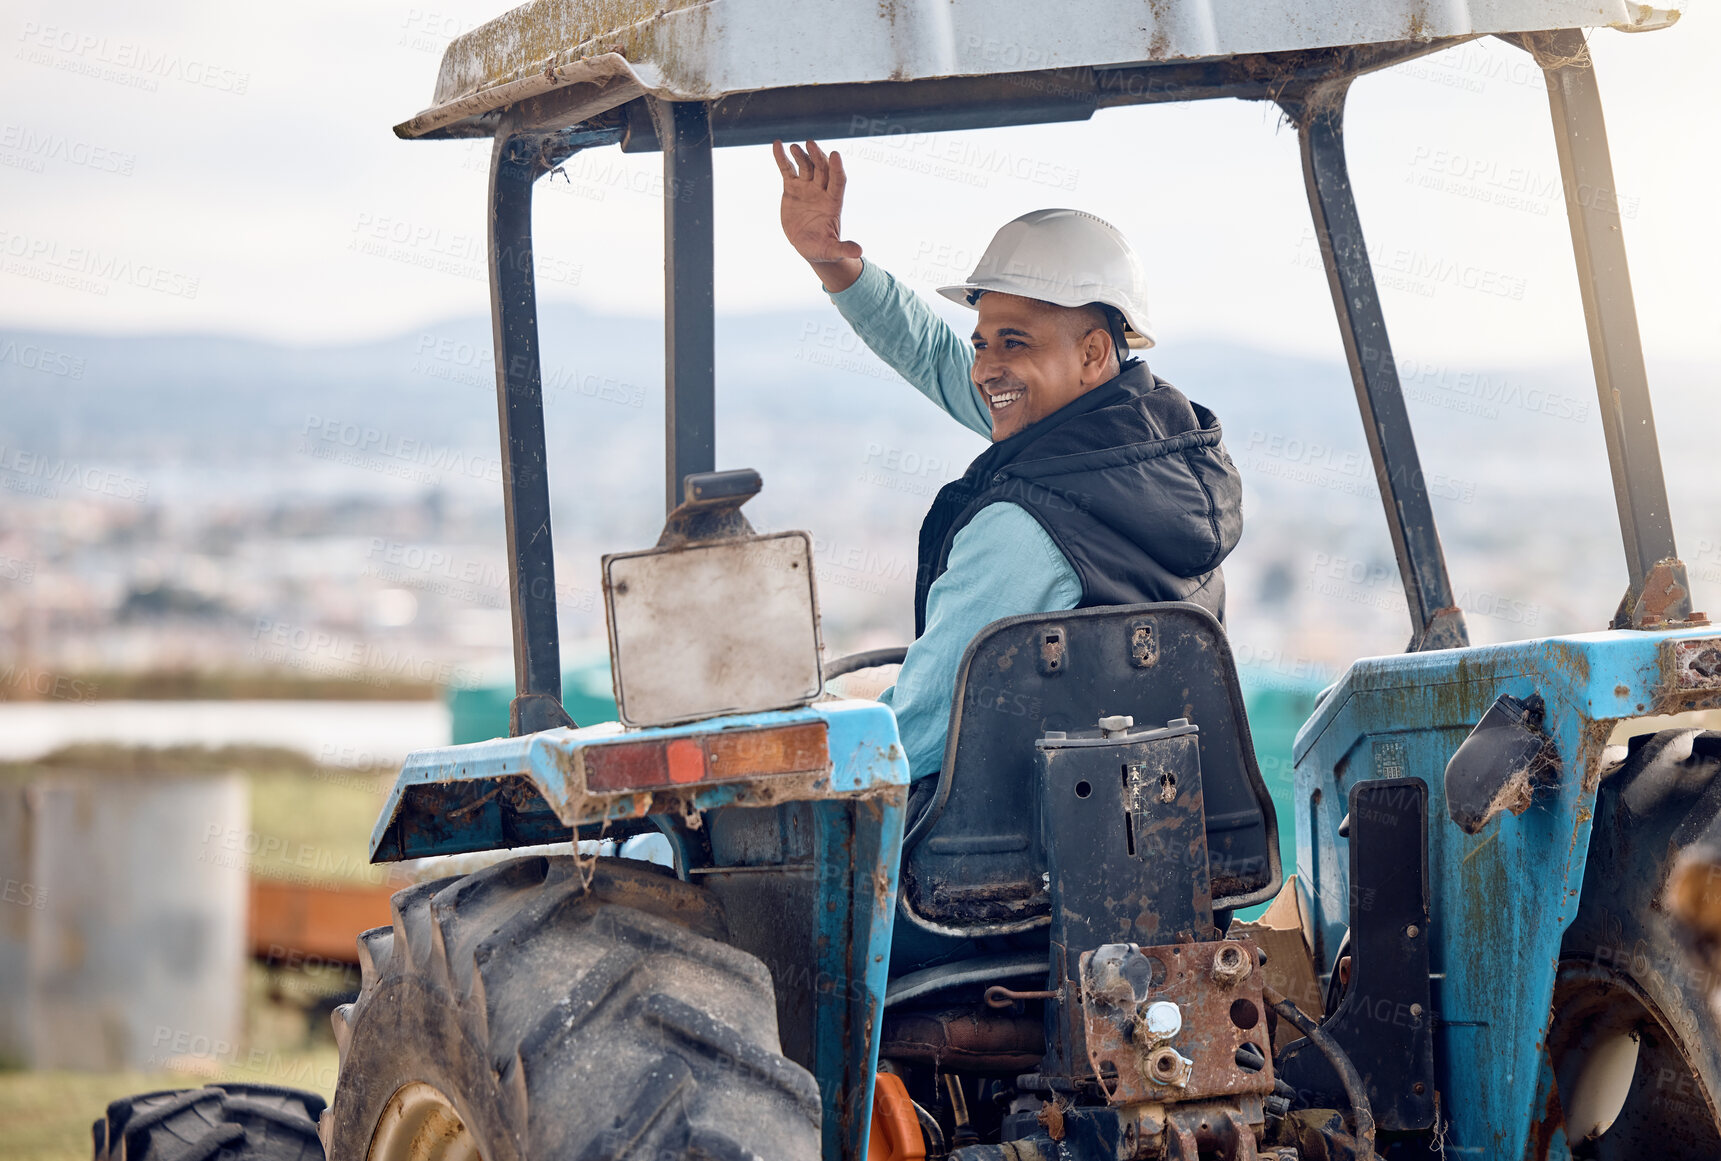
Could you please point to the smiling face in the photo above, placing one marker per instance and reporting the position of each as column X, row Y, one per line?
column 1031, row 358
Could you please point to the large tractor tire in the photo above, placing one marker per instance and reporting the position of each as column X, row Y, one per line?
column 229, row 1122
column 543, row 1009
column 1636, row 1047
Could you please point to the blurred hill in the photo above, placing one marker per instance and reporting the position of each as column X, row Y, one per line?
column 201, row 502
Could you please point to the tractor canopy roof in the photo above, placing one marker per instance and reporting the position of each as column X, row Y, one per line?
column 553, row 77
column 598, row 55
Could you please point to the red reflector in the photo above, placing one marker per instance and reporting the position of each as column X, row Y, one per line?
column 725, row 756
column 623, row 766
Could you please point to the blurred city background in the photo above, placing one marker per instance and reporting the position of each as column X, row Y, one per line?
column 250, row 527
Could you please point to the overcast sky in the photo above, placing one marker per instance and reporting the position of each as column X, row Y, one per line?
column 253, row 186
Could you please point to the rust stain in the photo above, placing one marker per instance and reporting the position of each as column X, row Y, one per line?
column 1591, row 743
column 1569, row 661
column 881, row 889
column 1665, row 598
column 1542, row 1131
column 1051, row 1115
column 1159, row 45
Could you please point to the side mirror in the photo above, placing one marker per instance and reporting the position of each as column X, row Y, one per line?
column 1500, row 764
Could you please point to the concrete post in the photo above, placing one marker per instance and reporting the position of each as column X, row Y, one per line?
column 137, row 955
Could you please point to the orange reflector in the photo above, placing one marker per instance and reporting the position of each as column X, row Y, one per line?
column 896, row 1132
column 686, row 761
column 785, row 750
column 724, row 756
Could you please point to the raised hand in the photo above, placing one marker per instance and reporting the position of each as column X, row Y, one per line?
column 812, row 212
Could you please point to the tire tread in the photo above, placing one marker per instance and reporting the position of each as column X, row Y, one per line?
column 238, row 1122
column 555, row 991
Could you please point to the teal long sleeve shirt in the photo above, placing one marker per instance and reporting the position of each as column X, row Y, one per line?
column 1002, row 563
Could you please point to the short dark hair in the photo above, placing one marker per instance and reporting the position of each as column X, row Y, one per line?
column 1117, row 327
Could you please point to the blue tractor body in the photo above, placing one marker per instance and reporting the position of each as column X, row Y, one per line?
column 1499, row 906
column 512, row 792
column 1502, row 899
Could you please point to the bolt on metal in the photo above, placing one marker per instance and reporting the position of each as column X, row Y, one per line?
column 1230, row 965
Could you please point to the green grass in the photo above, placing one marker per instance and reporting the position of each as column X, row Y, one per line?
column 311, row 824
column 46, row 1116
column 205, row 685
column 315, row 827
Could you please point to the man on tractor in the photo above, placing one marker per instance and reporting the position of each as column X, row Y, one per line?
column 1104, row 485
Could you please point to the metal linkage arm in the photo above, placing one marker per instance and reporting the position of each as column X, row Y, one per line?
column 1657, row 592
column 689, row 320
column 517, row 162
column 1436, row 621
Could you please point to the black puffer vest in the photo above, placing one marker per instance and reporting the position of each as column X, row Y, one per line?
column 1130, row 481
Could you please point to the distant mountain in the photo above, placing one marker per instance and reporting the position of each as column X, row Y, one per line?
column 798, row 396
column 279, row 438
column 223, row 401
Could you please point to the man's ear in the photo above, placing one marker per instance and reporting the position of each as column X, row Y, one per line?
column 1098, row 363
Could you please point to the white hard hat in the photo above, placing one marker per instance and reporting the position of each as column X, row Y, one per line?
column 1065, row 257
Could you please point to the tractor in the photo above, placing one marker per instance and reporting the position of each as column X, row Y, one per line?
column 1031, row 955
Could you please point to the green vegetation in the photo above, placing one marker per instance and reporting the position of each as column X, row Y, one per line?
column 205, row 685
column 46, row 1116
column 309, row 823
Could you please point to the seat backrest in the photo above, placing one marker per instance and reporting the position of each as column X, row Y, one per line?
column 978, row 868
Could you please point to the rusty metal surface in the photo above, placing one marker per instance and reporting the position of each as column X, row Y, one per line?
column 1663, row 599
column 998, row 996
column 1318, row 111
column 1658, row 591
column 1695, row 663
column 1219, row 1133
column 1216, row 988
column 966, row 1038
column 980, row 870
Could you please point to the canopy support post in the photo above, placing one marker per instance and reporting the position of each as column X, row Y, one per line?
column 1657, row 591
column 689, row 319
column 1436, row 620
column 517, row 162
